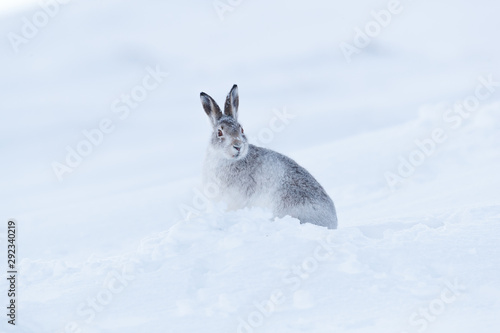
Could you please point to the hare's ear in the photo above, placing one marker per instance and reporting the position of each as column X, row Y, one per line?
column 211, row 108
column 232, row 103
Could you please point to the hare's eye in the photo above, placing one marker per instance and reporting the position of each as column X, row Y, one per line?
column 219, row 133
column 242, row 131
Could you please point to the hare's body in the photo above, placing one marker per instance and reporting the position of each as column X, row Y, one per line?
column 245, row 175
column 265, row 178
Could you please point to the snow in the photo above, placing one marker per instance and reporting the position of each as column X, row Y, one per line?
column 128, row 242
column 243, row 272
column 12, row 5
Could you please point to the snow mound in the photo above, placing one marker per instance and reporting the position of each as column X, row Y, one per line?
column 243, row 271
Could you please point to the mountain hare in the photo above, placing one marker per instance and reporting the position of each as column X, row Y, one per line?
column 246, row 175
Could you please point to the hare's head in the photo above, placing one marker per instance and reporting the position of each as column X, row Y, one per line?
column 228, row 136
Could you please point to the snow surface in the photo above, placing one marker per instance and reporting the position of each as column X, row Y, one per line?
column 127, row 243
